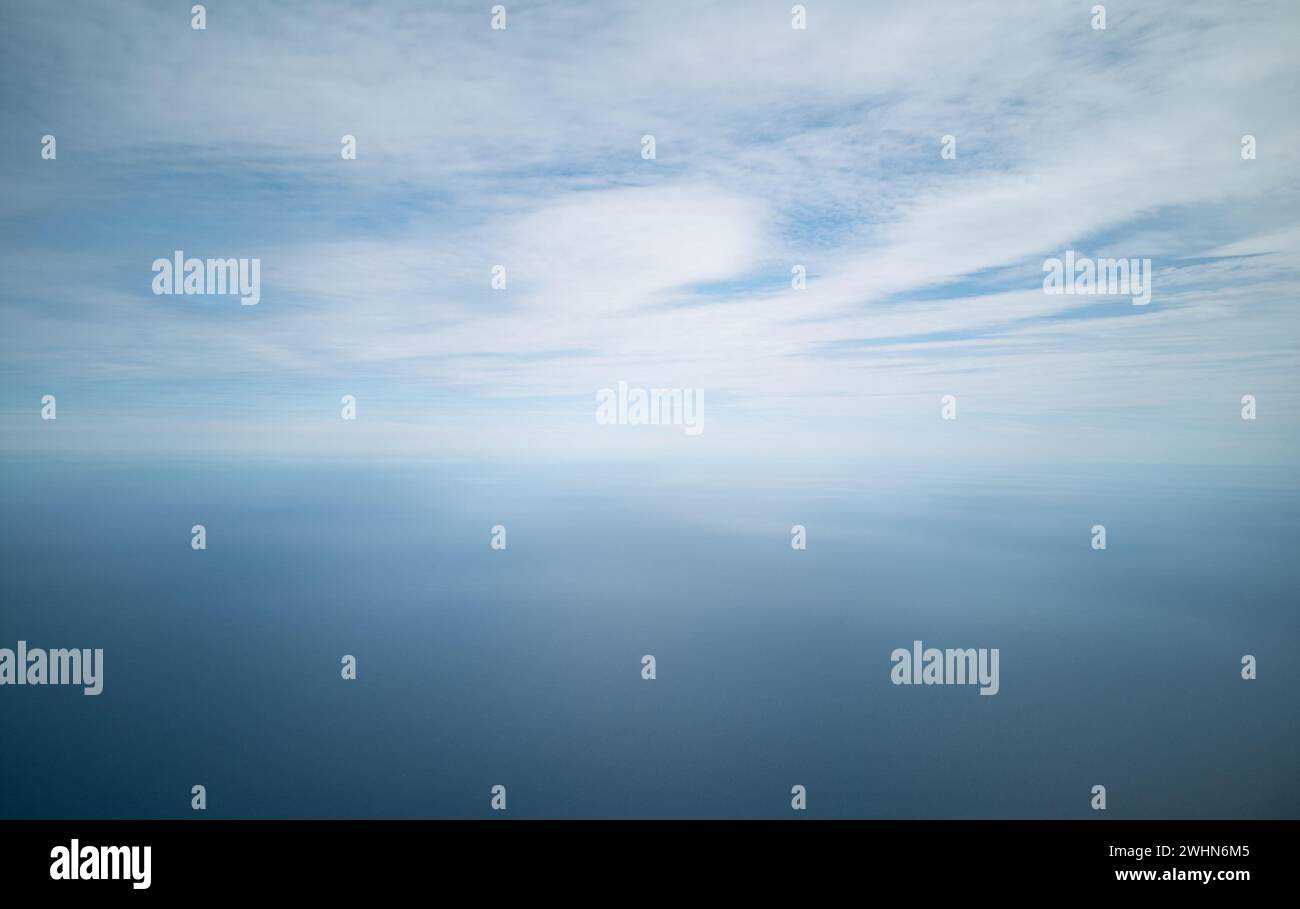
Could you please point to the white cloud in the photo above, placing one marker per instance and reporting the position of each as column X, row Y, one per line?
column 774, row 148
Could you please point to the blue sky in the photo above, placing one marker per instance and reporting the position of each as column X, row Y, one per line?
column 775, row 148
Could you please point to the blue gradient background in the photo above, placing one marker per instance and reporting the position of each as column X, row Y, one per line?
column 522, row 667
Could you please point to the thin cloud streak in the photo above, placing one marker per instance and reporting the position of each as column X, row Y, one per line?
column 775, row 148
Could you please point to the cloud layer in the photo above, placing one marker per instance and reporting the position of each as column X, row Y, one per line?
column 775, row 148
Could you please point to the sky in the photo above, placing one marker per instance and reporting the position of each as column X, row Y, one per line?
column 774, row 147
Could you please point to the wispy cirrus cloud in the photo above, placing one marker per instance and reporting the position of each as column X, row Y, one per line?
column 775, row 148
